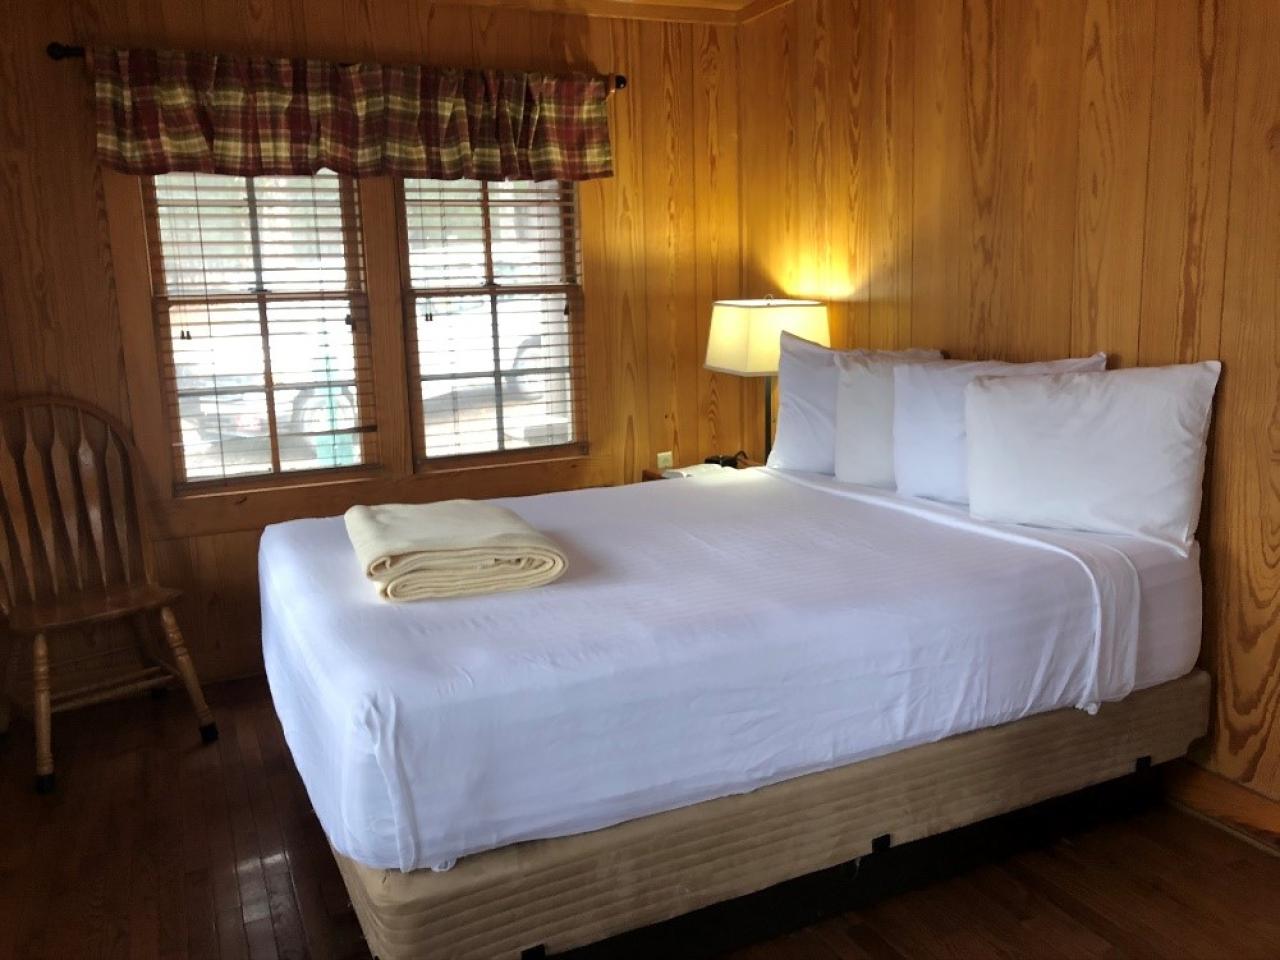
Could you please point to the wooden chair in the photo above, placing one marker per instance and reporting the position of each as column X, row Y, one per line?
column 75, row 555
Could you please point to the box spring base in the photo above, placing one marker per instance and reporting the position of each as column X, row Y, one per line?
column 570, row 891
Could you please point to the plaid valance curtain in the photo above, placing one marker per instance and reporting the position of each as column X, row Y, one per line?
column 162, row 110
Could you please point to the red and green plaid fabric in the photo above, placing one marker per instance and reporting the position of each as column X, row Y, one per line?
column 162, row 110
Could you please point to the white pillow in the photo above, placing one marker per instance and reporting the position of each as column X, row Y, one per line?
column 928, row 419
column 1117, row 452
column 805, row 437
column 864, row 415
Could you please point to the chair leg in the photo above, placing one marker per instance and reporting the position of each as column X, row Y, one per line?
column 148, row 654
column 42, row 708
column 182, row 660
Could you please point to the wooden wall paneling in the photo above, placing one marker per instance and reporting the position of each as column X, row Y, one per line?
column 666, row 68
column 1038, row 50
column 502, row 37
column 886, row 139
column 610, row 266
column 1115, row 130
column 1188, row 201
column 614, row 267
column 845, row 285
column 55, row 293
column 769, row 150
column 131, row 273
column 981, row 66
column 1245, row 507
column 559, row 42
column 219, row 612
column 1188, row 180
column 809, row 210
column 717, row 240
column 942, row 182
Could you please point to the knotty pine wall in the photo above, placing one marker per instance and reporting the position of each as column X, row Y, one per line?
column 660, row 243
column 1027, row 179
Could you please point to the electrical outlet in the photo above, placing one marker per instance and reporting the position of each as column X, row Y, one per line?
column 666, row 460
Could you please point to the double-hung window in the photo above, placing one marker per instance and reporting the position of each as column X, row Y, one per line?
column 261, row 320
column 494, row 305
column 263, row 334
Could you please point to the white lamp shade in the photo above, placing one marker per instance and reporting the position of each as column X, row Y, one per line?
column 745, row 333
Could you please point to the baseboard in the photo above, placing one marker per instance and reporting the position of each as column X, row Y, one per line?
column 1225, row 803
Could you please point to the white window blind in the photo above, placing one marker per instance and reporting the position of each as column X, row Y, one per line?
column 493, row 271
column 261, row 322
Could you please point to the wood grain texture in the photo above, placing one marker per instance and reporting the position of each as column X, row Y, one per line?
column 660, row 241
column 1244, row 511
column 1025, row 179
column 1115, row 133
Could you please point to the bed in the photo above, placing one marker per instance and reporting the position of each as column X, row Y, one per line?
column 742, row 678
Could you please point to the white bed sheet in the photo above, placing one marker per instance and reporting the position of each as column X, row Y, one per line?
column 710, row 636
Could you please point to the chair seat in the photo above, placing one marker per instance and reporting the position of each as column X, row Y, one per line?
column 81, row 609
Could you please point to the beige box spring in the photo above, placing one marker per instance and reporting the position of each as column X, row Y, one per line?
column 571, row 891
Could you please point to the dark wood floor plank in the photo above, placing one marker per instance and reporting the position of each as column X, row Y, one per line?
column 156, row 848
column 851, row 939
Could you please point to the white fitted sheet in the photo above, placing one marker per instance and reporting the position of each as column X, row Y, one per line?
column 710, row 636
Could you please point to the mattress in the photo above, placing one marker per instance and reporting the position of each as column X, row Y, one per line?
column 710, row 637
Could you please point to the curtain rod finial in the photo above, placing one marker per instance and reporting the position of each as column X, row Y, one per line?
column 63, row 51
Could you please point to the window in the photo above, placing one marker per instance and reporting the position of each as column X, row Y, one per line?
column 495, row 315
column 261, row 322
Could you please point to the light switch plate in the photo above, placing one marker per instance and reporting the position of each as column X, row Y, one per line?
column 666, row 460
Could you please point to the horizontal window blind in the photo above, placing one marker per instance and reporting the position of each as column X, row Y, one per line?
column 261, row 320
column 494, row 288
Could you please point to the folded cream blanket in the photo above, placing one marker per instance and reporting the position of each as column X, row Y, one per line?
column 454, row 548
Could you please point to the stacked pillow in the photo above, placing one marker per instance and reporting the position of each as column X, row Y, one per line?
column 1119, row 452
column 808, row 381
column 1061, row 444
column 929, row 457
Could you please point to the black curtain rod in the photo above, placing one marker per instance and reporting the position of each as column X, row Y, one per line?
column 63, row 51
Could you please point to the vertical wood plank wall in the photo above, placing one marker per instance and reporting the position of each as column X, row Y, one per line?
column 1024, row 179
column 660, row 240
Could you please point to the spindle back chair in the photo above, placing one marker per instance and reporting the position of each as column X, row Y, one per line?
column 75, row 553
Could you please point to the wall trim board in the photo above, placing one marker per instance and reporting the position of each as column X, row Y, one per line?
column 755, row 9
column 1236, row 807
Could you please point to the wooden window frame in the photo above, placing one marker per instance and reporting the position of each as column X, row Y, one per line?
column 573, row 293
column 355, row 294
column 216, row 510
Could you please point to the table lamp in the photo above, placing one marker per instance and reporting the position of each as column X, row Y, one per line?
column 745, row 335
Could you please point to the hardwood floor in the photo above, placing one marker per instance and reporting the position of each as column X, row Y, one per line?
column 155, row 847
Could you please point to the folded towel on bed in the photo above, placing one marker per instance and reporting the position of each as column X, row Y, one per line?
column 454, row 548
